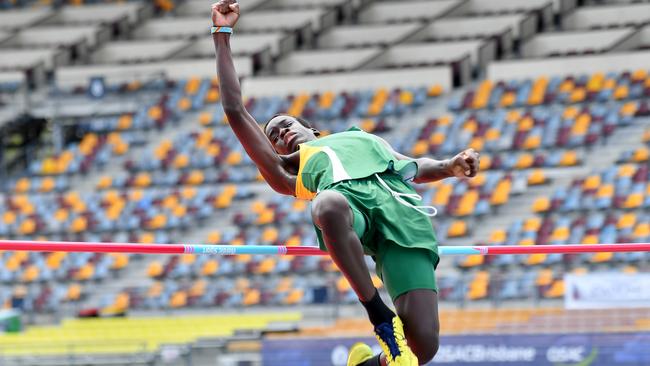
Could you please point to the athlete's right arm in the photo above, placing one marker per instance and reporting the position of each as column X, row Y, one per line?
column 247, row 130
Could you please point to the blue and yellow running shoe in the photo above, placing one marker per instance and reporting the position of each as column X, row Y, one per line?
column 360, row 352
column 393, row 343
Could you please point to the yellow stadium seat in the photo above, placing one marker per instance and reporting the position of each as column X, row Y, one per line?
column 120, row 260
column 592, row 182
column 157, row 222
column 526, row 242
column 178, row 300
column 198, row 288
column 266, row 217
column 633, row 200
column 188, row 193
column 639, row 74
column 501, row 193
column 570, row 112
column 155, row 269
column 457, row 228
column 188, row 258
column 526, row 123
column 445, row 120
column 234, row 158
column 270, row 235
column 602, row 257
column 195, row 177
column 436, row 139
column 525, row 161
column 30, row 274
column 628, row 109
column 478, row 288
column 535, row 259
column 580, row 270
column 295, row 296
column 560, row 233
column 642, row 230
column 532, row 224
column 443, row 193
column 74, row 292
column 435, row 90
column 626, row 170
column 210, row 267
column 466, row 206
column 47, row 185
column 326, row 100
column 184, row 104
column 556, row 290
column 212, row 96
column 498, row 236
column 641, row 154
column 214, row 237
column 27, row 227
column 629, row 269
column 485, row 163
column 595, row 83
column 9, row 217
column 473, row 260
column 124, row 122
column 420, row 148
column 266, row 266
column 477, row 143
column 578, row 95
column 621, row 92
column 367, row 125
column 179, row 211
column 532, row 142
column 508, row 99
column 142, row 180
column 590, row 239
column 85, row 272
column 181, row 161
column 544, row 277
column 606, row 190
column 581, row 124
column 566, row 86
column 626, row 220
column 536, row 177
column 406, row 97
column 569, row 158
column 342, row 284
column 609, row 84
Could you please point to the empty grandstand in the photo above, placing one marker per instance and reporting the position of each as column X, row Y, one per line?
column 112, row 130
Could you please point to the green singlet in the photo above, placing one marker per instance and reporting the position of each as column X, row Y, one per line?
column 387, row 216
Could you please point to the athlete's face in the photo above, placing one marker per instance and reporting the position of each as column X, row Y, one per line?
column 286, row 133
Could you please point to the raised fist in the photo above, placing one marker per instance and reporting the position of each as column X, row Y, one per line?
column 225, row 13
column 465, row 164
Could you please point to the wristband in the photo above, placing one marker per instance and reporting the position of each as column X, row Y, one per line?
column 217, row 29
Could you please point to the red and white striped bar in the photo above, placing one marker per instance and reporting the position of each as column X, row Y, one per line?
column 62, row 246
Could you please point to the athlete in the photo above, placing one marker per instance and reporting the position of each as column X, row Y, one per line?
column 361, row 203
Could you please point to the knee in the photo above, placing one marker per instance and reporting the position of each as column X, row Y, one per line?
column 329, row 209
column 424, row 344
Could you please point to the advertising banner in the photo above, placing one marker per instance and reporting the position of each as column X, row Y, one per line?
column 606, row 290
column 630, row 349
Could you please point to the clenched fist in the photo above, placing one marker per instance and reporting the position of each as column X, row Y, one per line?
column 465, row 164
column 225, row 13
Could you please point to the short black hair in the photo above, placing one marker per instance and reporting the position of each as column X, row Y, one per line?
column 302, row 121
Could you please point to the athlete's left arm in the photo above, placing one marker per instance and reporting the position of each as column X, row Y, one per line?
column 464, row 165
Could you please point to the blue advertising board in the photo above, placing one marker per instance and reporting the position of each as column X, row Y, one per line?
column 629, row 349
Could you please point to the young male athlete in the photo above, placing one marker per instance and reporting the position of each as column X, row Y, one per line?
column 361, row 203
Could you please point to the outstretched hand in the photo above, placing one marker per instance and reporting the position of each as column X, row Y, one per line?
column 225, row 13
column 465, row 164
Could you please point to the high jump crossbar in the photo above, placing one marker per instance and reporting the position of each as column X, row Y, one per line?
column 207, row 249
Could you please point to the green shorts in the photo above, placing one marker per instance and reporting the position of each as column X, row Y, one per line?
column 400, row 239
